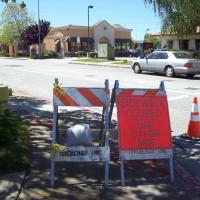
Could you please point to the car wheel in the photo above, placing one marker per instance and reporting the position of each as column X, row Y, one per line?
column 169, row 72
column 137, row 68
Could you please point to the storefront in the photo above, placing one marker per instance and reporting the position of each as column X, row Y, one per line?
column 75, row 38
column 175, row 42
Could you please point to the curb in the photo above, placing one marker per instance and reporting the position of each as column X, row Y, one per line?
column 103, row 65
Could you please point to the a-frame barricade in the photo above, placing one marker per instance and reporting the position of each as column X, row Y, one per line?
column 144, row 130
column 80, row 97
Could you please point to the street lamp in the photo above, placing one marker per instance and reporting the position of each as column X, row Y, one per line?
column 147, row 32
column 89, row 7
column 39, row 39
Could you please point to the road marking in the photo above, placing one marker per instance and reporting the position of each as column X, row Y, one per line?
column 178, row 91
column 59, row 75
column 187, row 94
column 183, row 96
column 141, row 82
column 178, row 97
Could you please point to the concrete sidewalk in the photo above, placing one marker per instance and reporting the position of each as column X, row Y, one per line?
column 144, row 179
column 10, row 185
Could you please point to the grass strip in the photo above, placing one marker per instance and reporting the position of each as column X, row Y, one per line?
column 93, row 60
column 123, row 62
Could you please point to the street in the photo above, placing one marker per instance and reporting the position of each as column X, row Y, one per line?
column 36, row 77
column 148, row 179
column 100, row 101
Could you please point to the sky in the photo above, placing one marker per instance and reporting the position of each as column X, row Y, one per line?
column 131, row 14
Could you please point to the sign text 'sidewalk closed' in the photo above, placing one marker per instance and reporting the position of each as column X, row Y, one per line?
column 143, row 122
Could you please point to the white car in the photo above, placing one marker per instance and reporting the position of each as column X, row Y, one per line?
column 169, row 63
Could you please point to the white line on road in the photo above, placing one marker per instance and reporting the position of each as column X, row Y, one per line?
column 187, row 94
column 178, row 91
column 178, row 97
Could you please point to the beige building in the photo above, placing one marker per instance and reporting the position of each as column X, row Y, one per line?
column 75, row 38
column 185, row 42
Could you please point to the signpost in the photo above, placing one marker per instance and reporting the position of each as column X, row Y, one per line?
column 143, row 126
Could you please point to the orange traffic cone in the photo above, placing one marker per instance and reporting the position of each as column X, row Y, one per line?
column 194, row 123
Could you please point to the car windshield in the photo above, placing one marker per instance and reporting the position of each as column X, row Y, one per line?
column 182, row 55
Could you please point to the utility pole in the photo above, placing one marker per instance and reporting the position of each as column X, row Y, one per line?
column 88, row 30
column 39, row 39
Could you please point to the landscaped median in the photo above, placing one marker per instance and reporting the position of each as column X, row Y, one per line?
column 122, row 62
column 96, row 60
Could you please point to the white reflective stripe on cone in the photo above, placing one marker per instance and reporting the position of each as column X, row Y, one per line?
column 195, row 118
column 195, row 108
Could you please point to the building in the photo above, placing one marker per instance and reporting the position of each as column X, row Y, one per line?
column 175, row 42
column 75, row 38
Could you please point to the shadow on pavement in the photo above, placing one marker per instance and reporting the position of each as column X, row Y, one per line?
column 144, row 179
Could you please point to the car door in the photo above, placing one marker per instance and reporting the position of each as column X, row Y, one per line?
column 160, row 62
column 149, row 62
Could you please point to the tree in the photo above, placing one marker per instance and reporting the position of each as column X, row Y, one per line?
column 6, row 1
column 30, row 35
column 178, row 16
column 14, row 19
column 133, row 44
column 22, row 4
column 155, row 41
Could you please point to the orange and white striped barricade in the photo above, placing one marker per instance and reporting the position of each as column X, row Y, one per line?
column 144, row 130
column 81, row 97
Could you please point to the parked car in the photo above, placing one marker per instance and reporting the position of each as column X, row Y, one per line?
column 134, row 52
column 169, row 63
column 127, row 53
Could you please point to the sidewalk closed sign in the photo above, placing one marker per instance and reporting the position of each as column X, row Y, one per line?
column 144, row 130
column 143, row 121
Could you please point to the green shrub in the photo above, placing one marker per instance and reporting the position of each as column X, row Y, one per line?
column 92, row 54
column 46, row 55
column 4, row 53
column 13, row 144
column 50, row 54
column 79, row 54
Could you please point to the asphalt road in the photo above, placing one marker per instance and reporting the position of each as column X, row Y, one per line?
column 37, row 76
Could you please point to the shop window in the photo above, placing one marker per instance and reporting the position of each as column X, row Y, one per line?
column 73, row 46
column 118, row 46
column 183, row 44
column 197, row 44
column 84, row 46
column 125, row 46
column 170, row 44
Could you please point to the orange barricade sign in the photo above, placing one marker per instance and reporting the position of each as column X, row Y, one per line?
column 144, row 130
column 76, row 97
column 143, row 121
